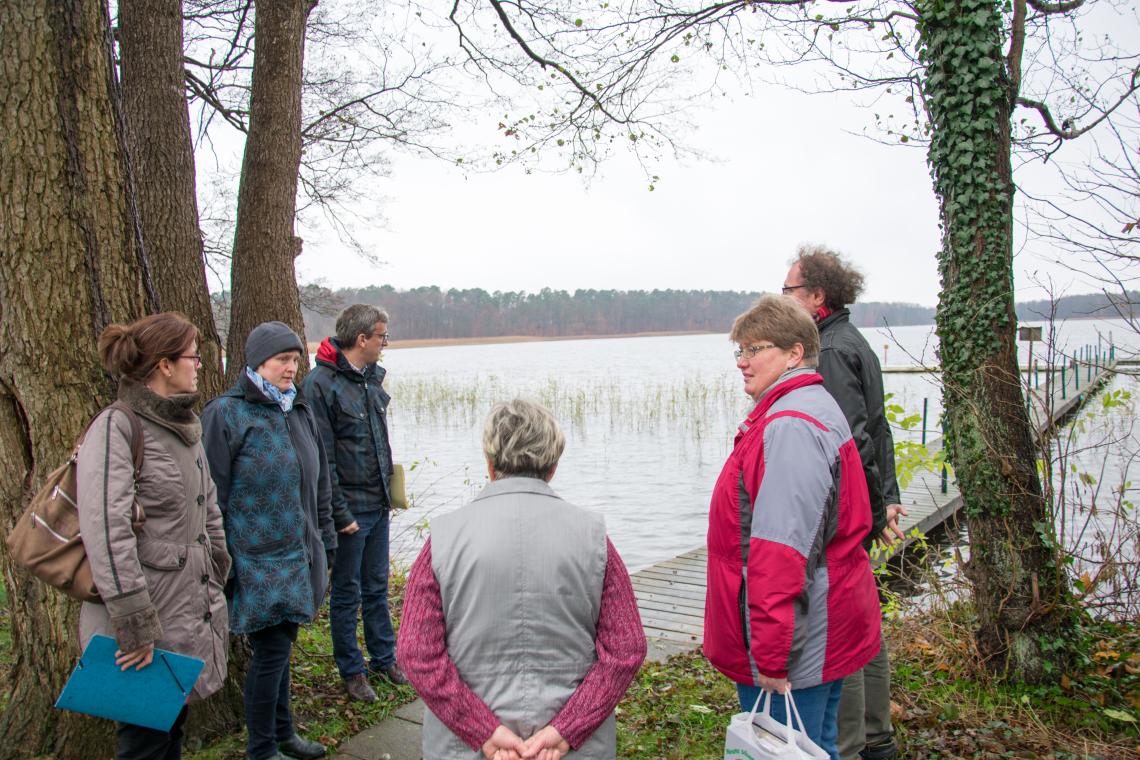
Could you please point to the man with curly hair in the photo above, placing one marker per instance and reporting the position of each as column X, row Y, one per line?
column 824, row 284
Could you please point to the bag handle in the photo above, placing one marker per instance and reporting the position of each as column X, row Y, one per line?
column 789, row 701
column 789, row 732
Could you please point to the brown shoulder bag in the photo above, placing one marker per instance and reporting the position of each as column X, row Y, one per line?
column 46, row 539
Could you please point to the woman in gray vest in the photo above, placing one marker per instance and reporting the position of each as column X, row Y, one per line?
column 520, row 629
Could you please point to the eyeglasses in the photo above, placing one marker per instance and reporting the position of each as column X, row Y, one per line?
column 196, row 357
column 789, row 288
column 751, row 351
column 386, row 337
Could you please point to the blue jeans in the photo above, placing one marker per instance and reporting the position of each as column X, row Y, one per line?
column 360, row 581
column 818, row 707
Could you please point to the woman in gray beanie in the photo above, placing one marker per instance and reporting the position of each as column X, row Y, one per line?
column 273, row 489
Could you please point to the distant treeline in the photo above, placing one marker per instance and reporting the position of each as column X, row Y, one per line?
column 430, row 312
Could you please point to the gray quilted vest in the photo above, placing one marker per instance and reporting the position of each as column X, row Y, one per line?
column 520, row 573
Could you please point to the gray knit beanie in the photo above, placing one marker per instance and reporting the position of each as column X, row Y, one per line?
column 269, row 339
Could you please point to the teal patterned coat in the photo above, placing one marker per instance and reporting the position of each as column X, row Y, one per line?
column 273, row 490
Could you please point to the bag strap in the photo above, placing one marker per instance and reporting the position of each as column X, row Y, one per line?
column 138, row 447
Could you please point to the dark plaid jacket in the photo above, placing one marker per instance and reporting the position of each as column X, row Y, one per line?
column 351, row 409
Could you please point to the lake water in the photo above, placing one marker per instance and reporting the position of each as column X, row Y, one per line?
column 648, row 421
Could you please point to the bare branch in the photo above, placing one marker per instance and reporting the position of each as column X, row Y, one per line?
column 207, row 94
column 1066, row 131
column 544, row 62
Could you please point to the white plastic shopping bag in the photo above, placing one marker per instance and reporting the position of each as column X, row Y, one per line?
column 759, row 736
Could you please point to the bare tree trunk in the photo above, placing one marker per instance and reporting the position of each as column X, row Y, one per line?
column 71, row 263
column 158, row 139
column 263, row 277
column 1020, row 591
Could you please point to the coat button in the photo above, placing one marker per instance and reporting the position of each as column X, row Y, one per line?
column 201, row 538
column 182, row 562
column 205, row 579
column 201, row 500
column 207, row 616
column 198, row 462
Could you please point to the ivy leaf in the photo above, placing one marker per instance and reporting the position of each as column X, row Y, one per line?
column 1120, row 715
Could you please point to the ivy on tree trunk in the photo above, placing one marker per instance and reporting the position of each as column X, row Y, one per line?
column 1020, row 593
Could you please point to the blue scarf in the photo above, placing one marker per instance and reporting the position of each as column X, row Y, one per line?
column 284, row 399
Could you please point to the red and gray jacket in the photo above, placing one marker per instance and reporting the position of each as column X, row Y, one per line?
column 790, row 590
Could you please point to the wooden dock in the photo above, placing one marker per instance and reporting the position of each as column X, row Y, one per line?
column 671, row 594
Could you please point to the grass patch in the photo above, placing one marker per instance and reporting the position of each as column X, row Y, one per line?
column 676, row 710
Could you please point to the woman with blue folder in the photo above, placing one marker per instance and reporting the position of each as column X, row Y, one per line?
column 161, row 583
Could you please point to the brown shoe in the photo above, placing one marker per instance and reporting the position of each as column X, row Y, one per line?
column 358, row 688
column 394, row 675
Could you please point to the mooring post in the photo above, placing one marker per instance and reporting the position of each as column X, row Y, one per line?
column 1064, row 383
column 944, row 454
column 925, row 407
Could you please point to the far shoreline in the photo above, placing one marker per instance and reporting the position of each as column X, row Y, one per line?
column 494, row 339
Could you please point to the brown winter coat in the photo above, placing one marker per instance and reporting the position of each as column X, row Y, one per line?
column 165, row 584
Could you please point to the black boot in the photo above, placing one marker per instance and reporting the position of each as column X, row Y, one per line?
column 885, row 750
column 301, row 748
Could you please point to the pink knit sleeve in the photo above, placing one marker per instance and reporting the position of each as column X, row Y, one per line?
column 620, row 646
column 422, row 653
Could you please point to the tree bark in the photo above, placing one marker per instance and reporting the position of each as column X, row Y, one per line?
column 1020, row 593
column 262, row 276
column 71, row 263
column 158, row 141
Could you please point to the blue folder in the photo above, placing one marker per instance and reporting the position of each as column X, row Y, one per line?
column 151, row 697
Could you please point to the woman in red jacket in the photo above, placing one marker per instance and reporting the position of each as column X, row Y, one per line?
column 791, row 601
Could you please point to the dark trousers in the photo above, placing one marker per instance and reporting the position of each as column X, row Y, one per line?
column 865, row 707
column 267, row 716
column 140, row 743
column 360, row 581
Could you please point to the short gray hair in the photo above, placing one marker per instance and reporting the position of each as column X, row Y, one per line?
column 522, row 437
column 782, row 321
column 358, row 319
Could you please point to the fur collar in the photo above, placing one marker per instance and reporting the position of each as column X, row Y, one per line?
column 175, row 413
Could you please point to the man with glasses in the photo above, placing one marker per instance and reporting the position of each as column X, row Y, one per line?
column 824, row 284
column 348, row 399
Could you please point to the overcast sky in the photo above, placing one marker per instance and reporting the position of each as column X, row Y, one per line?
column 781, row 171
column 778, row 169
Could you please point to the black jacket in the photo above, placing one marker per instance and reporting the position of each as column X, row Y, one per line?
column 351, row 410
column 851, row 374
